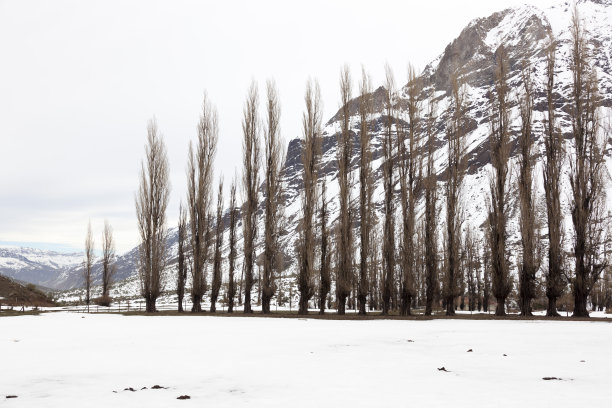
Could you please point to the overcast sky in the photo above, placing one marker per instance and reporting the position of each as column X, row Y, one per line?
column 80, row 79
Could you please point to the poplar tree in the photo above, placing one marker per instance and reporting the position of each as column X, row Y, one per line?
column 217, row 259
column 273, row 197
column 250, row 184
column 151, row 203
column 344, row 243
column 455, row 173
column 587, row 201
column 365, row 188
column 311, row 127
column 199, row 198
column 499, row 142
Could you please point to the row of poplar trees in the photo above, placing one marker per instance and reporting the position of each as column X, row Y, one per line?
column 200, row 227
column 389, row 274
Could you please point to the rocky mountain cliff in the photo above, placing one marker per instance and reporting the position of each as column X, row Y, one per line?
column 524, row 31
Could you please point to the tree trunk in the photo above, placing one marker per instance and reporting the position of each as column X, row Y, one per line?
column 266, row 297
column 150, row 305
column 428, row 306
column 197, row 305
column 247, row 301
column 341, row 304
column 526, row 307
column 551, row 311
column 450, row 306
column 405, row 304
column 500, row 309
column 580, row 304
column 303, row 310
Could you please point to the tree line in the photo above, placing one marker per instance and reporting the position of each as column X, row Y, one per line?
column 109, row 268
column 397, row 261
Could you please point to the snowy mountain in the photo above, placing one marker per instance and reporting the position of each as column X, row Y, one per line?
column 36, row 265
column 65, row 271
column 524, row 32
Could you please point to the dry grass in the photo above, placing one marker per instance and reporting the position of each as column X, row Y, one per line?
column 370, row 316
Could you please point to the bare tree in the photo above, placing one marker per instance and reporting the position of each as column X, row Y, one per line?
column 250, row 184
column 455, row 173
column 88, row 264
column 486, row 287
column 324, row 267
column 366, row 109
column 374, row 268
column 462, row 273
column 528, row 224
column 231, row 286
column 471, row 267
column 553, row 143
column 431, row 213
column 420, row 260
column 601, row 294
column 108, row 262
column 587, row 201
column 181, row 275
column 311, row 125
column 274, row 196
column 151, row 203
column 217, row 259
column 479, row 283
column 199, row 198
column 344, row 243
column 410, row 184
column 388, row 247
column 499, row 141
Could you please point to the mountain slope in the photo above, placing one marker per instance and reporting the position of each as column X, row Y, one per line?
column 14, row 293
column 35, row 265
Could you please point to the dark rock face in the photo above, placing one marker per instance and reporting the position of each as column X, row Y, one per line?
column 379, row 96
column 475, row 59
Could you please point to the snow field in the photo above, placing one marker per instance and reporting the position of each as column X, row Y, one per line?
column 64, row 359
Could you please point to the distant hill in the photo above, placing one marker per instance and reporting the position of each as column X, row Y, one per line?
column 13, row 293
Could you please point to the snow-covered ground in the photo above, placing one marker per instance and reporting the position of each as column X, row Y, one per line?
column 69, row 359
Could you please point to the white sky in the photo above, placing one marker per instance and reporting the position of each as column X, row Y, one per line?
column 80, row 79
